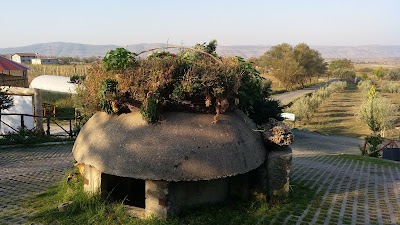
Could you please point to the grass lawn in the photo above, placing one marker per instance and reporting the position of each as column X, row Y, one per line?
column 94, row 210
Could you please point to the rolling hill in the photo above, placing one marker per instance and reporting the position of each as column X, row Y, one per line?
column 58, row 49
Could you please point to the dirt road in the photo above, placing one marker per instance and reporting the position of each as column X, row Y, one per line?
column 306, row 142
column 288, row 97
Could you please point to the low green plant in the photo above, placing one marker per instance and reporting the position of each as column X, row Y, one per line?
column 377, row 112
column 393, row 74
column 25, row 136
column 119, row 60
column 160, row 55
column 305, row 106
column 371, row 146
column 107, row 95
column 364, row 86
column 151, row 109
column 77, row 79
column 379, row 73
column 185, row 81
column 390, row 87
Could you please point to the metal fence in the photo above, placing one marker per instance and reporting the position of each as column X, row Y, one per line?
column 54, row 125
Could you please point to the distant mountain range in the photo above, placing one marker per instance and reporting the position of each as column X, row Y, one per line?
column 58, row 49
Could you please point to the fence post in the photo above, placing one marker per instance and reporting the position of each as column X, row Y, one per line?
column 48, row 126
column 22, row 122
column 70, row 128
column 37, row 98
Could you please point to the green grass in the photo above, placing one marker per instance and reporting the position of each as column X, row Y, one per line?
column 94, row 210
column 377, row 161
column 63, row 102
column 27, row 138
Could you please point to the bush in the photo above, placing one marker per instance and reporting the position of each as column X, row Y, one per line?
column 77, row 79
column 390, row 87
column 119, row 60
column 393, row 74
column 27, row 137
column 188, row 82
column 377, row 112
column 364, row 86
column 366, row 70
column 305, row 106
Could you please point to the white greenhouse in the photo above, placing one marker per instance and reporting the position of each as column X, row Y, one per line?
column 53, row 83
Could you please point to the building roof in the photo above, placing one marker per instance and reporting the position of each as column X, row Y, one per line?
column 53, row 83
column 182, row 147
column 26, row 54
column 6, row 64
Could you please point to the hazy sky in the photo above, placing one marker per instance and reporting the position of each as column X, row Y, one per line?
column 231, row 22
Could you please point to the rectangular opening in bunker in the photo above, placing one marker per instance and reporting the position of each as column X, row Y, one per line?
column 129, row 190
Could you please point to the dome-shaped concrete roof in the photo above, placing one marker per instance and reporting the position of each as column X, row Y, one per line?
column 53, row 83
column 182, row 147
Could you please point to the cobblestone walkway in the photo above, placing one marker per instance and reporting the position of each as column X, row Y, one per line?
column 26, row 171
column 347, row 191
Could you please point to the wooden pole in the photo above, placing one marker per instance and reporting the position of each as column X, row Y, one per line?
column 48, row 126
column 37, row 98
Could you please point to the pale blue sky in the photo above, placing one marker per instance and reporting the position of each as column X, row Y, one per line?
column 231, row 22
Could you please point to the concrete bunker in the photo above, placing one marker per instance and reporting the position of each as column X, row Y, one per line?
column 182, row 161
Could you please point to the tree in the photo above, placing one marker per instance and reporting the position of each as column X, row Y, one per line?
column 6, row 101
column 282, row 63
column 379, row 73
column 210, row 48
column 119, row 60
column 310, row 60
column 344, row 73
column 341, row 64
column 292, row 65
column 342, row 68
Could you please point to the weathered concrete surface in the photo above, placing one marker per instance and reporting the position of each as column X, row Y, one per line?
column 182, row 147
column 279, row 164
column 157, row 195
column 277, row 133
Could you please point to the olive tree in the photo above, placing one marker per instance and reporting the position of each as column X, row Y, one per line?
column 377, row 112
column 292, row 66
column 342, row 68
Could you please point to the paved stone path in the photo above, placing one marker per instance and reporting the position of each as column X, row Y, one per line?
column 349, row 191
column 26, row 171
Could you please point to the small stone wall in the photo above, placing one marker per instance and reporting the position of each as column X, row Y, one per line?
column 278, row 167
column 163, row 198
